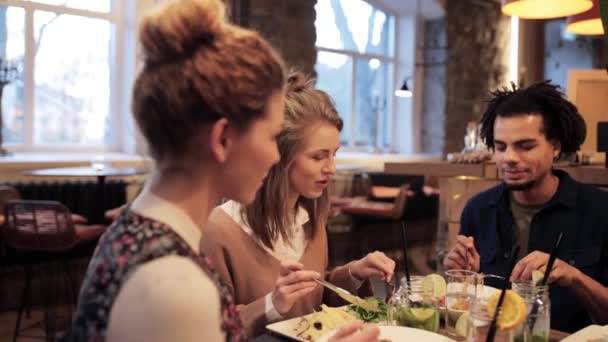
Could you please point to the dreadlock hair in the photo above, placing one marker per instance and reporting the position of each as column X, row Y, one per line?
column 561, row 119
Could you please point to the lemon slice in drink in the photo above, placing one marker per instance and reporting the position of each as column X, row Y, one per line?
column 434, row 285
column 537, row 277
column 461, row 324
column 513, row 310
column 422, row 314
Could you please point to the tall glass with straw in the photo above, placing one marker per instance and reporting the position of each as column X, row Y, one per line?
column 413, row 305
column 534, row 295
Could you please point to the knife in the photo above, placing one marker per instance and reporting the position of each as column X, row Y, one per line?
column 349, row 297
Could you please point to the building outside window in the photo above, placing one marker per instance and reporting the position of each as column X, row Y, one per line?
column 65, row 95
column 355, row 65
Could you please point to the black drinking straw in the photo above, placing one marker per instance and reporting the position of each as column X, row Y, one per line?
column 552, row 257
column 512, row 259
column 404, row 240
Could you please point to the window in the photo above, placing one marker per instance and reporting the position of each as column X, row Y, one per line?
column 355, row 65
column 57, row 63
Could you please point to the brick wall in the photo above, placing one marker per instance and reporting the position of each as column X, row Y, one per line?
column 434, row 53
column 478, row 40
column 289, row 25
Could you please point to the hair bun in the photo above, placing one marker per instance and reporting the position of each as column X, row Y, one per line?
column 297, row 82
column 177, row 29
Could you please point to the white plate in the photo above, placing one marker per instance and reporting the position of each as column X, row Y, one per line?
column 591, row 333
column 401, row 334
column 285, row 328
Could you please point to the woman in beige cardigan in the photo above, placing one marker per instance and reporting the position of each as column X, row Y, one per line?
column 282, row 233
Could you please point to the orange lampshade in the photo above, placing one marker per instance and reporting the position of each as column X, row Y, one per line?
column 589, row 22
column 544, row 9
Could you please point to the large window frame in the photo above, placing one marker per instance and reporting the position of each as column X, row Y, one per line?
column 391, row 59
column 117, row 98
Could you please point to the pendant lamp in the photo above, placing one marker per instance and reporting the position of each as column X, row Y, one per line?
column 405, row 90
column 544, row 9
column 587, row 23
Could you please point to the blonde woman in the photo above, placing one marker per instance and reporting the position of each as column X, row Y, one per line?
column 282, row 233
column 209, row 102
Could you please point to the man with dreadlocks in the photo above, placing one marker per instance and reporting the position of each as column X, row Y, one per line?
column 527, row 129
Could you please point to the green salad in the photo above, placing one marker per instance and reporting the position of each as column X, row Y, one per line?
column 370, row 316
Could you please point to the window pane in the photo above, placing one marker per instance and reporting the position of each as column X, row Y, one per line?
column 72, row 79
column 353, row 25
column 335, row 77
column 90, row 5
column 12, row 47
column 372, row 96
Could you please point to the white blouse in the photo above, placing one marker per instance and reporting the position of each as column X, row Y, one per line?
column 281, row 250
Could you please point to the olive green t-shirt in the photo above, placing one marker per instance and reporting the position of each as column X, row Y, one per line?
column 523, row 215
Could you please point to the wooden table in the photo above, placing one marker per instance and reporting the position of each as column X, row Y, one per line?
column 554, row 335
column 99, row 173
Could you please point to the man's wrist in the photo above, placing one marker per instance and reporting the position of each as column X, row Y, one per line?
column 577, row 278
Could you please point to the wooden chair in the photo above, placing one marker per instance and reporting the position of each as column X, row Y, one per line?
column 392, row 200
column 43, row 232
column 370, row 217
column 7, row 193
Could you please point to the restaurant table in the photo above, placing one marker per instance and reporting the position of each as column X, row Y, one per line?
column 86, row 171
column 554, row 336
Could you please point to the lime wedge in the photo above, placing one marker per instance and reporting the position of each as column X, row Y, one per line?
column 422, row 314
column 434, row 285
column 537, row 277
column 461, row 324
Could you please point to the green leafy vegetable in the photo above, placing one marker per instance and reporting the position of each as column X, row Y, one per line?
column 370, row 316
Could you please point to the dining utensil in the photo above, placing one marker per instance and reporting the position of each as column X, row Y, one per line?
column 349, row 297
column 389, row 288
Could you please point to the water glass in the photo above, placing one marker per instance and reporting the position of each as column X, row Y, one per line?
column 479, row 323
column 414, row 306
column 461, row 290
column 539, row 296
column 99, row 163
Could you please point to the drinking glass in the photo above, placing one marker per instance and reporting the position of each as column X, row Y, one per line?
column 534, row 295
column 460, row 292
column 414, row 306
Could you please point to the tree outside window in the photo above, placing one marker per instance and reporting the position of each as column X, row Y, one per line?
column 355, row 64
column 66, row 51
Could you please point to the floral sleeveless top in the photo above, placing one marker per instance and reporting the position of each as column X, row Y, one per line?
column 128, row 243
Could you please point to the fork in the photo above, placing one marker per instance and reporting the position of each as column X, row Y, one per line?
column 389, row 287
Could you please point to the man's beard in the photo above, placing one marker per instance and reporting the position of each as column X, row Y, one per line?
column 519, row 186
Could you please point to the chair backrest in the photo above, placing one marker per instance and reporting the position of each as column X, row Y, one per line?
column 38, row 226
column 7, row 193
column 401, row 201
column 394, row 180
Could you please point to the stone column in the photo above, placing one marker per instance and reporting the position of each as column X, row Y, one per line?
column 434, row 66
column 289, row 25
column 478, row 41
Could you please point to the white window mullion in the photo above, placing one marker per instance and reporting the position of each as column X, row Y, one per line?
column 353, row 54
column 28, row 81
column 116, row 76
column 380, row 108
column 116, row 46
column 60, row 9
column 353, row 105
